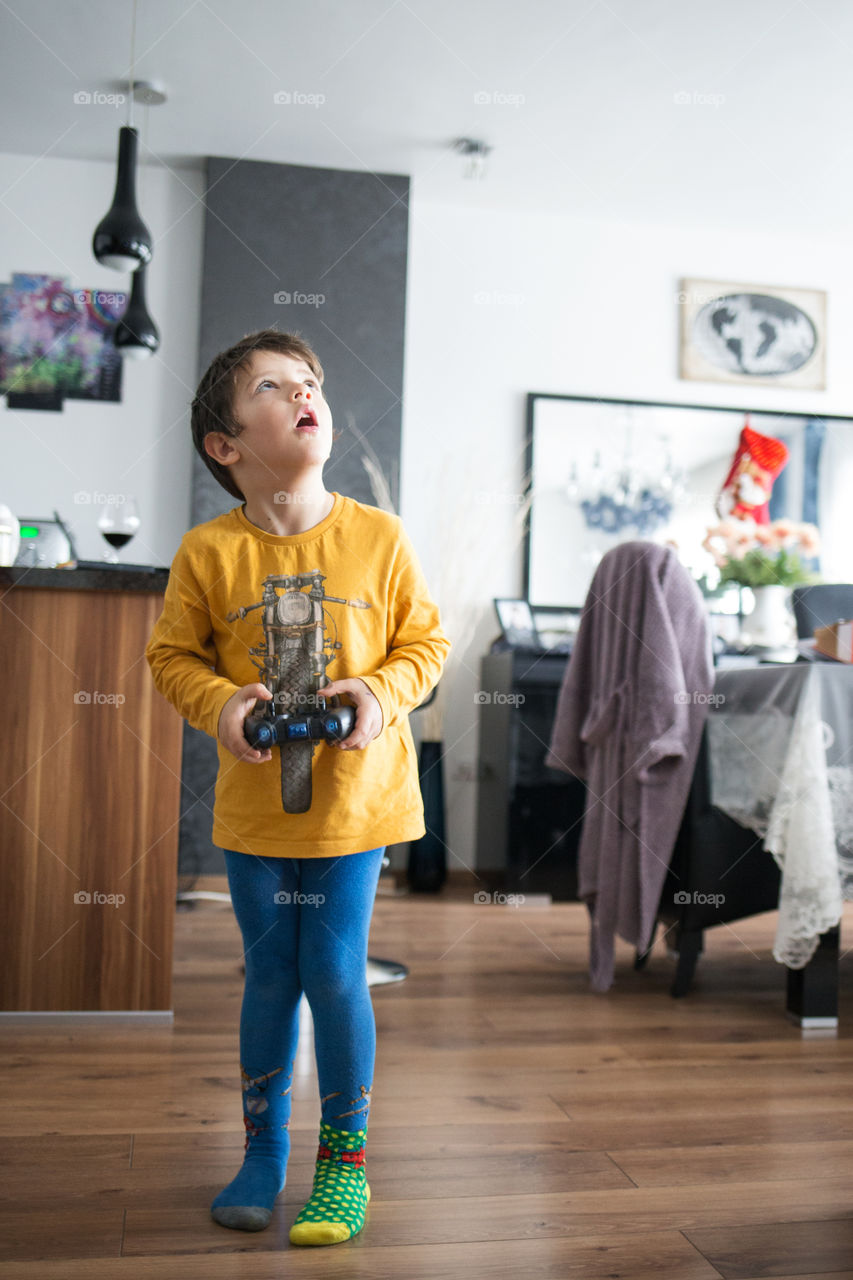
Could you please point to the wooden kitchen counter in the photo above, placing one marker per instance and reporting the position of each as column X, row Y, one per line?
column 90, row 791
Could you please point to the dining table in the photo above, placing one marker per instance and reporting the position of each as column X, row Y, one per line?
column 781, row 747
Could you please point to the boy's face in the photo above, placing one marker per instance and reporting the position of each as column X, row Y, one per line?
column 287, row 424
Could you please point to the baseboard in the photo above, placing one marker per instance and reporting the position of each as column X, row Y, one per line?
column 96, row 1017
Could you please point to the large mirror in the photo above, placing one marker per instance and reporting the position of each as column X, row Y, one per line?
column 606, row 471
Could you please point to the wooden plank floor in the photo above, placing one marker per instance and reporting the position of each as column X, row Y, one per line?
column 521, row 1125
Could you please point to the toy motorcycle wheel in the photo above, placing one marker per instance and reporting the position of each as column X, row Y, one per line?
column 296, row 757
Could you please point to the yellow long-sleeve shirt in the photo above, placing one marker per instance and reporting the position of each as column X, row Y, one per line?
column 361, row 799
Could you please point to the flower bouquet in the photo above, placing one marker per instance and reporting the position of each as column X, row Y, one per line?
column 763, row 555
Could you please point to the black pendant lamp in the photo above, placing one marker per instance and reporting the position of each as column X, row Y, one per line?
column 121, row 239
column 136, row 335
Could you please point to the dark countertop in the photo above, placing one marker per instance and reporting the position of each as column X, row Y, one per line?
column 88, row 577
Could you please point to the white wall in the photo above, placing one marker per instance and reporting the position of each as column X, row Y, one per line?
column 141, row 445
column 498, row 305
column 836, row 523
column 502, row 304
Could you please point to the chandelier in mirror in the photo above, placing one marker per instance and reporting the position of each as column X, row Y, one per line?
column 626, row 495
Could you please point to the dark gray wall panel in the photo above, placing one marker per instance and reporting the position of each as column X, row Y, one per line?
column 272, row 229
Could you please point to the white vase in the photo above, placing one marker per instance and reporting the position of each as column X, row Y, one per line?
column 771, row 622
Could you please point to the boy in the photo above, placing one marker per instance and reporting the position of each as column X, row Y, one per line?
column 302, row 883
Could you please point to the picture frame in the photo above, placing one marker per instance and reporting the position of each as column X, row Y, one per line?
column 752, row 334
column 517, row 622
column 56, row 342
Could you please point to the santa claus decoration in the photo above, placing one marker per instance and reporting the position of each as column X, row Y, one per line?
column 746, row 492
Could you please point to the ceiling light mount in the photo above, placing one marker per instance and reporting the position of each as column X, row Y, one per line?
column 475, row 152
column 149, row 92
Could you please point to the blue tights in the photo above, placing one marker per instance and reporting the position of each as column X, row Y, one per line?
column 304, row 923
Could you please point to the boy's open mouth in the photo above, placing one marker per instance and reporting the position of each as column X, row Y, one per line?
column 308, row 420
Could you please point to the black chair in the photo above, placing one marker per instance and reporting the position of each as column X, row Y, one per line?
column 821, row 605
column 719, row 871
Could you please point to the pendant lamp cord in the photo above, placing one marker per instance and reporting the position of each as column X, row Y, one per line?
column 130, row 82
column 142, row 165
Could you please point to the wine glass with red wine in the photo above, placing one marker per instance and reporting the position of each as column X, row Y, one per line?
column 118, row 522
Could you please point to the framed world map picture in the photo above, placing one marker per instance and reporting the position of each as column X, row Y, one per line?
column 750, row 333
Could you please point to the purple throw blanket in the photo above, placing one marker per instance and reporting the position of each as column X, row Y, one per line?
column 629, row 721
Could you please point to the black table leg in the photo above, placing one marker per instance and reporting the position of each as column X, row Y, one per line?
column 689, row 943
column 813, row 990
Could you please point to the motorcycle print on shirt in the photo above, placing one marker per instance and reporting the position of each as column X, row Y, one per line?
column 292, row 660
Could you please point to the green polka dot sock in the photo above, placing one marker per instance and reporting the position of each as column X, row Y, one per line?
column 336, row 1207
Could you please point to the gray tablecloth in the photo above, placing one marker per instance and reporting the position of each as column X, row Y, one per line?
column 781, row 741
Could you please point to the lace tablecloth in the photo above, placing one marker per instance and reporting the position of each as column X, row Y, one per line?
column 781, row 741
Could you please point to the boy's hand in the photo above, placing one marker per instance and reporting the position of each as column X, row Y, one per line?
column 369, row 720
column 230, row 728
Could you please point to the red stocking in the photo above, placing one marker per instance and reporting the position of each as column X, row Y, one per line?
column 756, row 464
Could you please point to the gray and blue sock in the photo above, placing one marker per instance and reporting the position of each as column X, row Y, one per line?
column 246, row 1203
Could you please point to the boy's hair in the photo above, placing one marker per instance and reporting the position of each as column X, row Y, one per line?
column 212, row 407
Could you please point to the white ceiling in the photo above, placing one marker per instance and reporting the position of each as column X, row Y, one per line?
column 720, row 112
